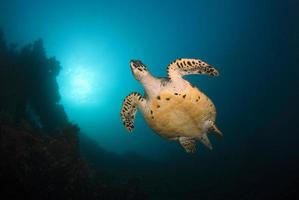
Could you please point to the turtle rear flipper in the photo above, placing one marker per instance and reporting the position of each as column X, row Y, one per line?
column 129, row 109
column 188, row 143
column 213, row 129
column 205, row 140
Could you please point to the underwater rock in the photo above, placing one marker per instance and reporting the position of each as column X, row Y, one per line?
column 28, row 86
column 35, row 165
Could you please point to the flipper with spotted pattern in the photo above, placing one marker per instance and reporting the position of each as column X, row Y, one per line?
column 213, row 129
column 205, row 140
column 188, row 143
column 129, row 109
column 185, row 66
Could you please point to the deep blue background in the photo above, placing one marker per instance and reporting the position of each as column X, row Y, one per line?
column 254, row 44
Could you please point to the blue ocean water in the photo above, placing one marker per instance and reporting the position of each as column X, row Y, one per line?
column 254, row 45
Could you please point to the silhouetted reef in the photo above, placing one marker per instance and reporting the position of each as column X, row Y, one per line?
column 28, row 87
column 37, row 166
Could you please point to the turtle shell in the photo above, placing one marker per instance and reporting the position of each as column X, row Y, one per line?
column 179, row 114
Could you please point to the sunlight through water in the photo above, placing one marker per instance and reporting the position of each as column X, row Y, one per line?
column 79, row 85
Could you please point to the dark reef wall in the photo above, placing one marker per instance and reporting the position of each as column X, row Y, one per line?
column 28, row 87
column 37, row 166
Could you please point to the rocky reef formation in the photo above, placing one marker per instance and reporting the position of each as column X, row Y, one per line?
column 28, row 86
column 35, row 165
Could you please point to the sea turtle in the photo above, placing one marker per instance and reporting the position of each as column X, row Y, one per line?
column 171, row 106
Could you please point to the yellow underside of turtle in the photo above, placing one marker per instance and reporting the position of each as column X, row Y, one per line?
column 173, row 115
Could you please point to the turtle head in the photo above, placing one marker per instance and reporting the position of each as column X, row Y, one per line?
column 139, row 70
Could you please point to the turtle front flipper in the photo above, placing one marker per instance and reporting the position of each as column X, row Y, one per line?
column 129, row 109
column 186, row 66
column 188, row 143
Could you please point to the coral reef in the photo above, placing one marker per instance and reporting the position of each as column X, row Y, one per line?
column 28, row 86
column 37, row 166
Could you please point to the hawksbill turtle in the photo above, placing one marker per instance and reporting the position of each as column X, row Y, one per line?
column 172, row 107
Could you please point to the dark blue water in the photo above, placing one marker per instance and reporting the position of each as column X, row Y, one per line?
column 254, row 45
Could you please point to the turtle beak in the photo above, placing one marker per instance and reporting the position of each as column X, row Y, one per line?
column 134, row 67
column 132, row 63
column 139, row 70
column 135, row 63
